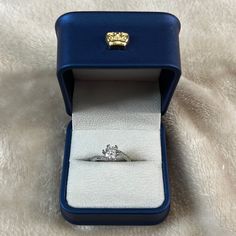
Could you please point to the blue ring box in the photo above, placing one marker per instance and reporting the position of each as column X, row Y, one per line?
column 155, row 44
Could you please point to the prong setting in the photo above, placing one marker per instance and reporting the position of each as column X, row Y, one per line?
column 110, row 154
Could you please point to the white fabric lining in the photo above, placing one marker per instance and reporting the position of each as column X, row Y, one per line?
column 138, row 74
column 125, row 113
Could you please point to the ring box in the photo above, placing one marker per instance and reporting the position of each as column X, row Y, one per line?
column 117, row 72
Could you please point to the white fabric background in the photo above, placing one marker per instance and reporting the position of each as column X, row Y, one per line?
column 201, row 124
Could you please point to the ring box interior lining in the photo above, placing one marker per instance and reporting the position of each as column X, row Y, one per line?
column 124, row 112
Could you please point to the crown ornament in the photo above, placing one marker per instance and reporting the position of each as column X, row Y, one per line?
column 117, row 39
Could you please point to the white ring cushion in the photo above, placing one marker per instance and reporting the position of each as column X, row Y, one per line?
column 125, row 113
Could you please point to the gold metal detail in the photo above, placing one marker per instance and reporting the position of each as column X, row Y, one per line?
column 117, row 39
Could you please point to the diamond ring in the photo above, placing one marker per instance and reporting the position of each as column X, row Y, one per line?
column 111, row 153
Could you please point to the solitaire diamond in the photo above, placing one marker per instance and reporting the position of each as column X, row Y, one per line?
column 110, row 152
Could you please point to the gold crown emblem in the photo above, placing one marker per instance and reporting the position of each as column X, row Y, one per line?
column 119, row 39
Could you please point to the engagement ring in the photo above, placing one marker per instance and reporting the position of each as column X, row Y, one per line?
column 111, row 153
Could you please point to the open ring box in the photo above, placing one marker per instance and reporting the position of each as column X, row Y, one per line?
column 117, row 96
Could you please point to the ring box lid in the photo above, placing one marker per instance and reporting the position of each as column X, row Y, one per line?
column 154, row 43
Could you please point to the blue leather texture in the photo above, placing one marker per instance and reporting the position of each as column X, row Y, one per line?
column 154, row 43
